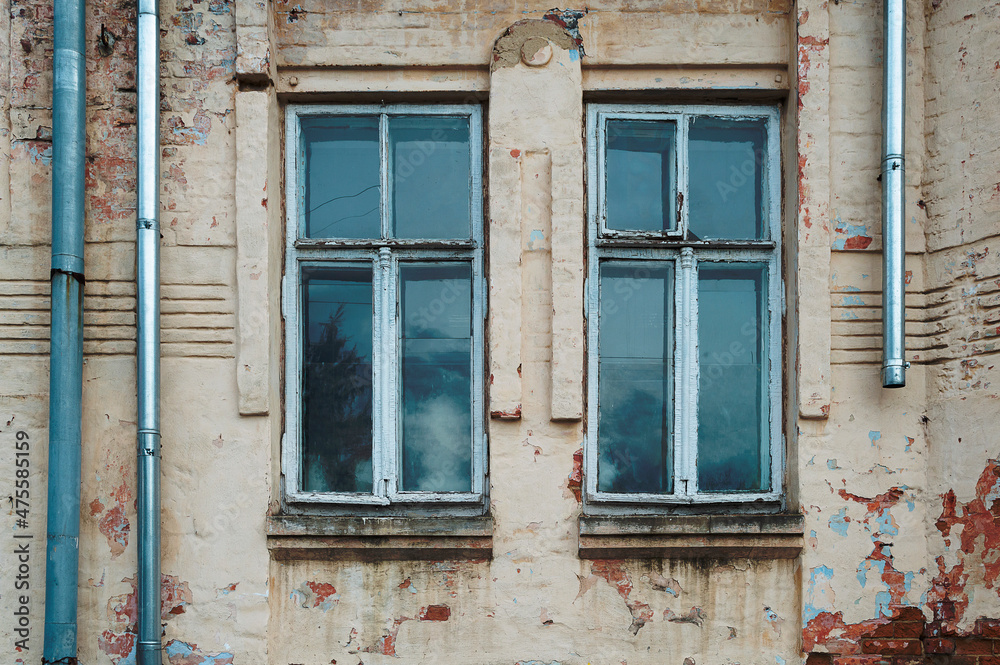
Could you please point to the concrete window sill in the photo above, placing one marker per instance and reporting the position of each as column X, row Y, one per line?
column 313, row 537
column 692, row 536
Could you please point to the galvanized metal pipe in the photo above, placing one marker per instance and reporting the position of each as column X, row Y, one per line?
column 66, row 336
column 893, row 196
column 148, row 332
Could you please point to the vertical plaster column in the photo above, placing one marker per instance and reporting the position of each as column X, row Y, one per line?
column 814, row 238
column 258, row 240
column 536, row 220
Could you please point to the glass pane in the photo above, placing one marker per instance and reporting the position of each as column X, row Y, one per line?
column 436, row 376
column 337, row 379
column 640, row 183
column 635, row 380
column 341, row 177
column 732, row 449
column 431, row 169
column 726, row 178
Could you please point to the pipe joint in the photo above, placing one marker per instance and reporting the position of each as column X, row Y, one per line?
column 894, row 374
column 148, row 443
column 147, row 224
column 69, row 264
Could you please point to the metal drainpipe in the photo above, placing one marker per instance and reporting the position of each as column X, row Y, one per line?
column 148, row 332
column 893, row 235
column 66, row 336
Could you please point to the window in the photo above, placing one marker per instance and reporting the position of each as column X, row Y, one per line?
column 384, row 305
column 684, row 306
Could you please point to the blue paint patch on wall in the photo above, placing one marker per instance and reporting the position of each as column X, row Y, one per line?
column 852, row 300
column 882, row 600
column 886, row 525
column 178, row 649
column 815, row 597
column 838, row 523
column 874, row 436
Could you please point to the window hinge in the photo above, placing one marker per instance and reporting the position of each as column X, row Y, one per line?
column 284, row 293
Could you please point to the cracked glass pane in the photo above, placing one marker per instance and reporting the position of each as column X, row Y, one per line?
column 342, row 191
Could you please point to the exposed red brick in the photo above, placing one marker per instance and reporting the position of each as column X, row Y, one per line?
column 908, row 660
column 978, row 521
column 988, row 627
column 861, row 660
column 974, row 645
column 939, row 645
column 434, row 613
column 892, row 647
column 857, row 242
column 989, row 660
column 886, row 630
column 907, row 629
column 963, row 660
column 907, row 613
column 575, row 481
column 822, row 628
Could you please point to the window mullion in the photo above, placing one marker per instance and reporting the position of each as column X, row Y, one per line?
column 385, row 438
column 384, row 179
column 686, row 373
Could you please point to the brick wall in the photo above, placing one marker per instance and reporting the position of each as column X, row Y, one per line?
column 909, row 639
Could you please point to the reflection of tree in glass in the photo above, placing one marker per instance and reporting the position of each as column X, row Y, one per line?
column 437, row 414
column 634, row 441
column 729, row 450
column 337, row 409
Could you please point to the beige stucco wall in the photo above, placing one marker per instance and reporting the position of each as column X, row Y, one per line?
column 870, row 469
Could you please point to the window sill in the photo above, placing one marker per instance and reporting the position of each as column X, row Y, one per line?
column 315, row 537
column 692, row 536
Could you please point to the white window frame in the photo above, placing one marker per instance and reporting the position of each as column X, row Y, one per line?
column 686, row 255
column 385, row 255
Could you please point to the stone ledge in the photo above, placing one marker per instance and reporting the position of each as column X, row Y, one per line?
column 315, row 537
column 692, row 536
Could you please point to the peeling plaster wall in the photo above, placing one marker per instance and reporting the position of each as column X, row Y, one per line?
column 961, row 193
column 214, row 603
column 898, row 488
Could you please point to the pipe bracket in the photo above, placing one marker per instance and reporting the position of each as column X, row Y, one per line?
column 145, row 223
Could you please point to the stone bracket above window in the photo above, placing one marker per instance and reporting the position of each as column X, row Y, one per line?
column 692, row 536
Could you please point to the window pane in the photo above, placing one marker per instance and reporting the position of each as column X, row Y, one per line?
column 431, row 167
column 436, row 376
column 634, row 378
column 337, row 379
column 726, row 178
column 341, row 177
column 732, row 448
column 640, row 175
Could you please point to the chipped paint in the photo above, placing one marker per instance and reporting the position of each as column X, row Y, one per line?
column 182, row 653
column 320, row 595
column 850, row 236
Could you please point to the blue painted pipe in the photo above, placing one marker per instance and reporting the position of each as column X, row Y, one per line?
column 66, row 336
